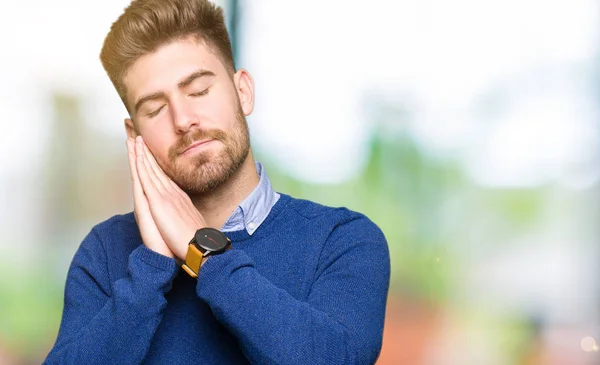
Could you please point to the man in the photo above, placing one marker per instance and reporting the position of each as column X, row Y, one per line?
column 213, row 266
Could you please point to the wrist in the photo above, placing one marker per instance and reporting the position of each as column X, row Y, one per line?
column 205, row 243
column 164, row 251
column 182, row 248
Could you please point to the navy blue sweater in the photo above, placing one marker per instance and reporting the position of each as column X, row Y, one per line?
column 308, row 287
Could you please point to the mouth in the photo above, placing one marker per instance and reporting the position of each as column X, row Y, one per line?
column 196, row 146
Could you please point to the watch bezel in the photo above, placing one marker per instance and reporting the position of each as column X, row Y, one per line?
column 214, row 235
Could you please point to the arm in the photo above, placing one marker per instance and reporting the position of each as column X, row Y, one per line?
column 340, row 323
column 110, row 323
column 342, row 320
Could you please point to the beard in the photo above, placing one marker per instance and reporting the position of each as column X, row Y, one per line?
column 207, row 170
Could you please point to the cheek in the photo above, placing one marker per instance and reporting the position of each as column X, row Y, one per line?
column 223, row 107
column 158, row 142
column 228, row 116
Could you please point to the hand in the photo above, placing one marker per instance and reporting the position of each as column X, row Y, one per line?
column 150, row 234
column 174, row 214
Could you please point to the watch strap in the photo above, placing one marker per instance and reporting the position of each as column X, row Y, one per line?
column 193, row 261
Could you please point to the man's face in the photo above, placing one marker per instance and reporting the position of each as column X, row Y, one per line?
column 186, row 106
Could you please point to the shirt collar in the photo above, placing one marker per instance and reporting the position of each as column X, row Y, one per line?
column 253, row 210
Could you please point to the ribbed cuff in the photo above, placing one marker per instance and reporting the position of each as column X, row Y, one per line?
column 215, row 275
column 154, row 259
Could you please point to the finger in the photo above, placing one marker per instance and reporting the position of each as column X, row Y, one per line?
column 155, row 167
column 135, row 181
column 167, row 182
column 139, row 199
column 149, row 181
column 160, row 184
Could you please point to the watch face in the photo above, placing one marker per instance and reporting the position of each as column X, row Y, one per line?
column 210, row 239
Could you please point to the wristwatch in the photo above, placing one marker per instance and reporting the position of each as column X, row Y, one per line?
column 206, row 242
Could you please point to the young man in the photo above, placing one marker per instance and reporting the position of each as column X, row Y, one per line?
column 213, row 266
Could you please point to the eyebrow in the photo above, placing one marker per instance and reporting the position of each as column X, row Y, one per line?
column 182, row 84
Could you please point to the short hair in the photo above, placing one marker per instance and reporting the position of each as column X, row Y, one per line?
column 146, row 25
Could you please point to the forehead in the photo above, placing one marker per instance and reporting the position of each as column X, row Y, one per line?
column 163, row 69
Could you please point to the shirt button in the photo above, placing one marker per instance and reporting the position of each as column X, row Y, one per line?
column 251, row 225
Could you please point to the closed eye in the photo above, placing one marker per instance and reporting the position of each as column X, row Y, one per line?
column 154, row 113
column 200, row 93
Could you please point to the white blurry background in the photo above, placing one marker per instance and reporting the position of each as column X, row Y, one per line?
column 507, row 91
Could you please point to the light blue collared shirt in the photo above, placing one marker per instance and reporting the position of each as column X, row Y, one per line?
column 253, row 210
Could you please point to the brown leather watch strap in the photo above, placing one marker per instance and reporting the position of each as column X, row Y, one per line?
column 193, row 261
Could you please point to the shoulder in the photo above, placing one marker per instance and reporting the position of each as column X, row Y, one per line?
column 119, row 230
column 340, row 221
column 120, row 222
column 107, row 244
column 349, row 241
column 117, row 233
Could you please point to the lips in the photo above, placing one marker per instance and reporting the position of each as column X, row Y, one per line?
column 196, row 144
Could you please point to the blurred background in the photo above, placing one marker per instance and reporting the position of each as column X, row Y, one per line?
column 468, row 130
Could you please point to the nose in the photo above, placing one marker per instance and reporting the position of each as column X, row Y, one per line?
column 184, row 116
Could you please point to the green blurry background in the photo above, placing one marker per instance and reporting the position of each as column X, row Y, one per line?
column 467, row 130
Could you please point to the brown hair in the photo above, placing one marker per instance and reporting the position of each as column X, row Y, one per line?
column 146, row 25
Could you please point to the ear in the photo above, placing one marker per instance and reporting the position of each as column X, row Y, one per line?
column 244, row 86
column 130, row 128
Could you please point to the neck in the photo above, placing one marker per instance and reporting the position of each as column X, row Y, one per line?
column 217, row 205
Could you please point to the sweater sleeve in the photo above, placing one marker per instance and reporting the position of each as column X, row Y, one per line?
column 341, row 322
column 108, row 322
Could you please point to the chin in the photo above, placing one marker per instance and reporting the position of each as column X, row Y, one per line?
column 202, row 177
